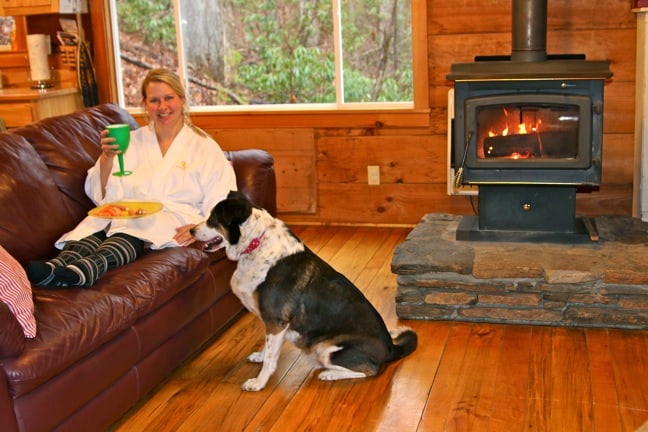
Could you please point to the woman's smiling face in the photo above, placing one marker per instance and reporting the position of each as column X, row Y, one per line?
column 162, row 104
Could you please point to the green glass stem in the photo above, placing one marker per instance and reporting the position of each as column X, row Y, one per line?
column 120, row 159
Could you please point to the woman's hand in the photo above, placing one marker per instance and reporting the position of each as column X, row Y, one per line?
column 108, row 146
column 183, row 236
column 108, row 151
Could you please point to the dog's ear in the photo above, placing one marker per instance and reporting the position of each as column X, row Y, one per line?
column 227, row 213
column 230, row 214
column 237, row 195
column 232, row 194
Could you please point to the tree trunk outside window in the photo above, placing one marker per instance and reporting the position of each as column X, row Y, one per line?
column 204, row 39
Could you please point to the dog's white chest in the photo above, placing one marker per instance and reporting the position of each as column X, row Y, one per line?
column 273, row 242
column 293, row 337
column 245, row 281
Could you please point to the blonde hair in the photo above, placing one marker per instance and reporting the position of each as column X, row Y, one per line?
column 162, row 75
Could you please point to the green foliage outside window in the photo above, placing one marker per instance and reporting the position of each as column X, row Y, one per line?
column 153, row 19
column 282, row 52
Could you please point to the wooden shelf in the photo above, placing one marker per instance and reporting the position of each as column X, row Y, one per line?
column 21, row 106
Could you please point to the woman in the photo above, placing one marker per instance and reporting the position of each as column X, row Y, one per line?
column 172, row 162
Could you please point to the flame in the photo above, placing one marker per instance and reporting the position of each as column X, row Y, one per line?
column 522, row 129
column 509, row 126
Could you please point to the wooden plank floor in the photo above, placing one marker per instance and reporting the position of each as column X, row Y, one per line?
column 462, row 377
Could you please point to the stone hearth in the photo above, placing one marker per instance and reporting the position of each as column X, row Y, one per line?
column 598, row 284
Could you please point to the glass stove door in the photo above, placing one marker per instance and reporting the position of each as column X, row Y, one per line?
column 528, row 131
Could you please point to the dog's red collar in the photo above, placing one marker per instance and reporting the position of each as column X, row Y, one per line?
column 254, row 243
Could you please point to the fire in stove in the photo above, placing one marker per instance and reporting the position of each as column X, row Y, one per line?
column 528, row 132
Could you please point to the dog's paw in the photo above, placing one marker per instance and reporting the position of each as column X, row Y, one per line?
column 256, row 357
column 335, row 375
column 253, row 384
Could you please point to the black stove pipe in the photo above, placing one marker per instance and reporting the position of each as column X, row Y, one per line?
column 529, row 30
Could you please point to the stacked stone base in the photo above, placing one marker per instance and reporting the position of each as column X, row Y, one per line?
column 602, row 284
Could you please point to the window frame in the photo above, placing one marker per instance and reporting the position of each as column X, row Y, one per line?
column 365, row 115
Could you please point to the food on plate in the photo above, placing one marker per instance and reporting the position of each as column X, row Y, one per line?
column 126, row 209
column 115, row 210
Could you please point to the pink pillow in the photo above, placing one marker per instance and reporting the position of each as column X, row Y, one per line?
column 15, row 291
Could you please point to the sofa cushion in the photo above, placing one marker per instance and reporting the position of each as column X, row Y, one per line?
column 12, row 339
column 15, row 291
column 73, row 322
column 155, row 277
column 32, row 213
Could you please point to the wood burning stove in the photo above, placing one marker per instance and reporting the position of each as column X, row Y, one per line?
column 528, row 131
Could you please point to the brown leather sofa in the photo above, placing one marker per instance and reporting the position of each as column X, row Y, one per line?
column 99, row 350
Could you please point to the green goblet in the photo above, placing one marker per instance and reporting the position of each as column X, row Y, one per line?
column 121, row 133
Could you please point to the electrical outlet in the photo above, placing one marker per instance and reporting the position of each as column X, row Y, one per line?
column 373, row 175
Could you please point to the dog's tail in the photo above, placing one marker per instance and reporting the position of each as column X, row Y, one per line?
column 405, row 341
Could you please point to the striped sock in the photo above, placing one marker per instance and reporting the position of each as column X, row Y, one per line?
column 42, row 272
column 75, row 250
column 115, row 251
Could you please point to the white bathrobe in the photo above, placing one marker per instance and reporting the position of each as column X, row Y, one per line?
column 189, row 180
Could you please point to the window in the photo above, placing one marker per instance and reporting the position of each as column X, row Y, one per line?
column 255, row 54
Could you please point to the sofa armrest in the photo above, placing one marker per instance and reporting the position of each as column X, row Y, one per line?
column 255, row 177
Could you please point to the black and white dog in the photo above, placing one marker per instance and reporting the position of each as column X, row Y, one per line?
column 299, row 297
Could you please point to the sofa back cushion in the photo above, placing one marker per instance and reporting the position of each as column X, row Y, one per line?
column 69, row 145
column 32, row 212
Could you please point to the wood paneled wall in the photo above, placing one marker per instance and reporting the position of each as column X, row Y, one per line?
column 322, row 172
